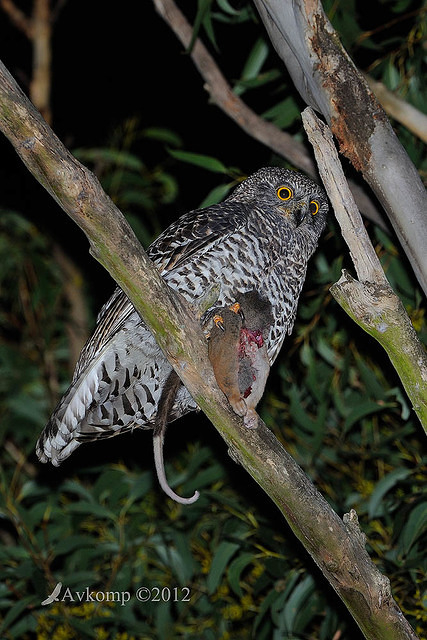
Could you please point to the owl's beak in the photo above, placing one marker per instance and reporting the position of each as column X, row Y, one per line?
column 301, row 214
column 298, row 210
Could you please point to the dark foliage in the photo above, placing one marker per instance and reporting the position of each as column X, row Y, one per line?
column 228, row 566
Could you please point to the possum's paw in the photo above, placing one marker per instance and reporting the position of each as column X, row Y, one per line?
column 251, row 419
column 239, row 405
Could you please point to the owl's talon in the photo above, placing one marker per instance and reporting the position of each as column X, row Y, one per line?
column 219, row 322
column 236, row 308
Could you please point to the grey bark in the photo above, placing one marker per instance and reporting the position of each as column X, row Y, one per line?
column 329, row 82
column 222, row 94
column 336, row 545
column 370, row 301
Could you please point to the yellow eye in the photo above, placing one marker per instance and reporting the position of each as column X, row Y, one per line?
column 313, row 207
column 284, row 193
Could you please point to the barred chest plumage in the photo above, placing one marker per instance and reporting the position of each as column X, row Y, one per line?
column 264, row 257
column 260, row 238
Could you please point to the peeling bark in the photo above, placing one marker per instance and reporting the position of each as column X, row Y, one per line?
column 328, row 81
column 369, row 301
column 267, row 133
column 333, row 544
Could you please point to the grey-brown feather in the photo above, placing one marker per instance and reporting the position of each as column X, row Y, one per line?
column 247, row 243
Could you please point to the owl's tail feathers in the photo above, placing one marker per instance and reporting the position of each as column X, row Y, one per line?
column 60, row 437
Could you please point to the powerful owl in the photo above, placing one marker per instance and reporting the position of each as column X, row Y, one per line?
column 259, row 238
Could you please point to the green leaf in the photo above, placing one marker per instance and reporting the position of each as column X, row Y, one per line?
column 78, row 488
column 414, row 527
column 72, row 542
column 235, row 570
column 360, row 411
column 164, row 623
column 199, row 160
column 184, row 564
column 216, row 195
column 254, row 63
column 227, row 8
column 258, row 81
column 391, row 77
column 375, row 508
column 84, row 627
column 206, row 477
column 222, row 556
column 203, row 16
column 92, row 509
column 162, row 135
column 267, row 602
column 120, row 158
column 284, row 113
column 296, row 601
column 31, row 489
column 23, row 406
column 16, row 611
column 371, row 380
column 21, row 628
column 139, row 486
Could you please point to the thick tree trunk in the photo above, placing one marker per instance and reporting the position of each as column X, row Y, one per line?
column 336, row 545
column 329, row 82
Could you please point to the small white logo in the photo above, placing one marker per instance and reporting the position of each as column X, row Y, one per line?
column 54, row 595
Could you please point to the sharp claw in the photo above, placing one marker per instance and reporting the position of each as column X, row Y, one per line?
column 219, row 322
column 237, row 309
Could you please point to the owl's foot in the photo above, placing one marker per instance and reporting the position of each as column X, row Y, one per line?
column 236, row 308
column 207, row 299
column 219, row 322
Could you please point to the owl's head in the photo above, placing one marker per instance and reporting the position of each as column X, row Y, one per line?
column 289, row 194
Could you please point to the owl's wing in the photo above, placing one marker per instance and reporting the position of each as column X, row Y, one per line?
column 194, row 232
column 121, row 370
column 110, row 319
column 189, row 235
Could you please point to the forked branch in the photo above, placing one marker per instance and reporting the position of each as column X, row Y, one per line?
column 370, row 301
column 336, row 545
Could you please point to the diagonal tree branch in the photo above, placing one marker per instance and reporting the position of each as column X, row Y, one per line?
column 328, row 81
column 336, row 545
column 235, row 108
column 399, row 109
column 370, row 301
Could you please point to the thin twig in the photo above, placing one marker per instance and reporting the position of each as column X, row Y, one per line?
column 18, row 17
column 223, row 96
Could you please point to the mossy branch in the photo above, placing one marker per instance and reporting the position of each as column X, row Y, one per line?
column 336, row 545
column 369, row 301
